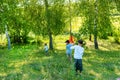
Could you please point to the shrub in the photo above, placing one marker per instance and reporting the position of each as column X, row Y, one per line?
column 117, row 36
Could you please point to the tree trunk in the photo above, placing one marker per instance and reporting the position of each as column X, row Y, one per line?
column 70, row 18
column 50, row 41
column 95, row 34
column 8, row 38
column 95, row 26
column 90, row 37
column 95, row 41
column 48, row 22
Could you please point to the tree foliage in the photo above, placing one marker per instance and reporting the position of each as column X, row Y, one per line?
column 96, row 16
column 24, row 16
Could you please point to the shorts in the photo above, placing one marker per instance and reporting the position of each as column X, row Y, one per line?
column 78, row 65
column 69, row 54
column 46, row 51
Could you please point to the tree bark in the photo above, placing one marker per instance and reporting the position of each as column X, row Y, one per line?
column 8, row 38
column 95, row 41
column 48, row 22
column 70, row 18
column 90, row 37
column 95, row 27
column 51, row 41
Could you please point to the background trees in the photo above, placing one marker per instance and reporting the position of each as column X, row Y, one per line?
column 96, row 19
column 49, row 17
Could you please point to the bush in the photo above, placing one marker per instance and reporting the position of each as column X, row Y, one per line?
column 117, row 36
column 2, row 45
column 117, row 39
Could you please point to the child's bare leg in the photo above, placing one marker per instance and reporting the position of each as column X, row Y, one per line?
column 70, row 58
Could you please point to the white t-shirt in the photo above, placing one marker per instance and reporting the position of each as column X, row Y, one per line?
column 46, row 48
column 78, row 51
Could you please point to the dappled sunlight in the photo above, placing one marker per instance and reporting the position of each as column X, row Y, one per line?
column 17, row 64
column 16, row 70
column 26, row 26
column 103, row 48
column 101, row 63
column 89, row 51
column 25, row 76
column 46, row 58
column 86, row 63
column 3, row 40
column 60, row 48
column 106, row 45
column 103, row 45
column 3, row 73
column 92, row 72
column 76, row 23
column 33, row 64
column 43, row 71
column 109, row 47
column 89, row 44
column 60, row 42
column 117, row 70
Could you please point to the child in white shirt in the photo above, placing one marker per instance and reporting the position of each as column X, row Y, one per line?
column 78, row 53
column 46, row 49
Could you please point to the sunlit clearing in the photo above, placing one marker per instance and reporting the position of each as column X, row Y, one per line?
column 3, row 74
column 45, row 58
column 95, row 73
column 60, row 48
column 87, row 64
column 17, row 70
column 25, row 76
column 76, row 23
column 18, row 64
column 3, row 39
column 103, row 48
column 43, row 71
column 117, row 71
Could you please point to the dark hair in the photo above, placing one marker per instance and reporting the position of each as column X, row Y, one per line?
column 80, row 41
column 67, row 41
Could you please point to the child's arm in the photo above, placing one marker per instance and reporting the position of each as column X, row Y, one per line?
column 72, row 47
column 82, row 51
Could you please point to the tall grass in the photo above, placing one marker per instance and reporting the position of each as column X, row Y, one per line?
column 30, row 63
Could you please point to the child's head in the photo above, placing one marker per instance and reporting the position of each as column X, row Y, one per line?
column 80, row 42
column 45, row 44
column 67, row 41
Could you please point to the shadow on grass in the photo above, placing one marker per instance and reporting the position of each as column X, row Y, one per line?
column 103, row 65
column 31, row 64
column 109, row 46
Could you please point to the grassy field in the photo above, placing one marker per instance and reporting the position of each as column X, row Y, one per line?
column 29, row 62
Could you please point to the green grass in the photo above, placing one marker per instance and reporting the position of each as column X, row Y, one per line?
column 28, row 62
